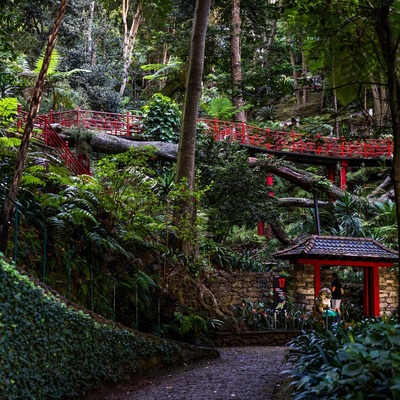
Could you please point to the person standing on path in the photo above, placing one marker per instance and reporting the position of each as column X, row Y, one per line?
column 336, row 288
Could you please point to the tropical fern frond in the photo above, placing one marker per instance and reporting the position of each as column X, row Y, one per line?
column 189, row 323
column 9, row 142
column 144, row 281
column 76, row 216
column 58, row 230
column 51, row 200
column 54, row 61
column 28, row 179
column 163, row 71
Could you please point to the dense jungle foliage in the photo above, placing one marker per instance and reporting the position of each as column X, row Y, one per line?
column 51, row 351
column 126, row 209
column 89, row 237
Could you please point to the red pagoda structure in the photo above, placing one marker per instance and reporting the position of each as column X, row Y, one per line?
column 344, row 251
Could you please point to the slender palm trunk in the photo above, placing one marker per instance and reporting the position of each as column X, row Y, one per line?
column 304, row 75
column 236, row 61
column 130, row 34
column 8, row 206
column 90, row 49
column 293, row 63
column 185, row 212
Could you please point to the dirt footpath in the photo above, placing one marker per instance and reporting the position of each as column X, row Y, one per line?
column 241, row 373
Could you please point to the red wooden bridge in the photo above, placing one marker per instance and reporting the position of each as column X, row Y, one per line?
column 292, row 145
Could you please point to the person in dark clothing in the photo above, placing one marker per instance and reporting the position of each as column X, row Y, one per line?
column 336, row 288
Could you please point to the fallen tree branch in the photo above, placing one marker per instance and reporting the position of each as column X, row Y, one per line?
column 108, row 144
column 298, row 202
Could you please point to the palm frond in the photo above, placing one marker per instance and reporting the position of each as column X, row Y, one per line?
column 144, row 281
column 54, row 61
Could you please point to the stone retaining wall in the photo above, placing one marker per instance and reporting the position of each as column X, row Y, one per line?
column 388, row 290
column 230, row 288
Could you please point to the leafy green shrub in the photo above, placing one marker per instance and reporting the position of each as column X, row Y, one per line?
column 194, row 327
column 162, row 119
column 255, row 315
column 49, row 351
column 259, row 317
column 8, row 113
column 359, row 363
column 224, row 258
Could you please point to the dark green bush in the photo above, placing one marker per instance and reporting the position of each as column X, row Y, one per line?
column 49, row 351
column 161, row 119
column 257, row 316
column 362, row 362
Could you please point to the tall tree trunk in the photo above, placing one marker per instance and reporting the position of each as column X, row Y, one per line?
column 389, row 46
column 130, row 33
column 384, row 106
column 293, row 63
column 304, row 74
column 236, row 61
column 377, row 105
column 8, row 206
column 185, row 214
column 270, row 44
column 90, row 50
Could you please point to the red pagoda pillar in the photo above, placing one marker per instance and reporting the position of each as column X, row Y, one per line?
column 343, row 172
column 371, row 292
column 317, row 279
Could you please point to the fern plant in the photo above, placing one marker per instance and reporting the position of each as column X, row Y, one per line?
column 192, row 324
column 8, row 114
column 222, row 108
column 58, row 92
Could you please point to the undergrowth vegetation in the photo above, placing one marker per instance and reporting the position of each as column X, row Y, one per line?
column 258, row 316
column 50, row 351
column 361, row 362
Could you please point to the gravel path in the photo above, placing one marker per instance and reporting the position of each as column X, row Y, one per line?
column 241, row 373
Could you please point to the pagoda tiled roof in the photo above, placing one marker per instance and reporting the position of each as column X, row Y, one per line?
column 340, row 248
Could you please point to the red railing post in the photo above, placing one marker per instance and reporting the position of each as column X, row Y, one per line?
column 342, row 145
column 66, row 153
column 318, row 143
column 389, row 147
column 45, row 131
column 215, row 127
column 51, row 116
column 293, row 143
column 19, row 123
column 78, row 116
column 127, row 123
column 243, row 129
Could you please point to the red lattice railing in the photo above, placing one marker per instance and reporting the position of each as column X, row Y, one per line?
column 111, row 123
column 131, row 125
column 45, row 132
column 294, row 142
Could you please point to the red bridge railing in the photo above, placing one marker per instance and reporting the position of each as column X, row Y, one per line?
column 45, row 132
column 294, row 142
column 131, row 125
column 111, row 123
